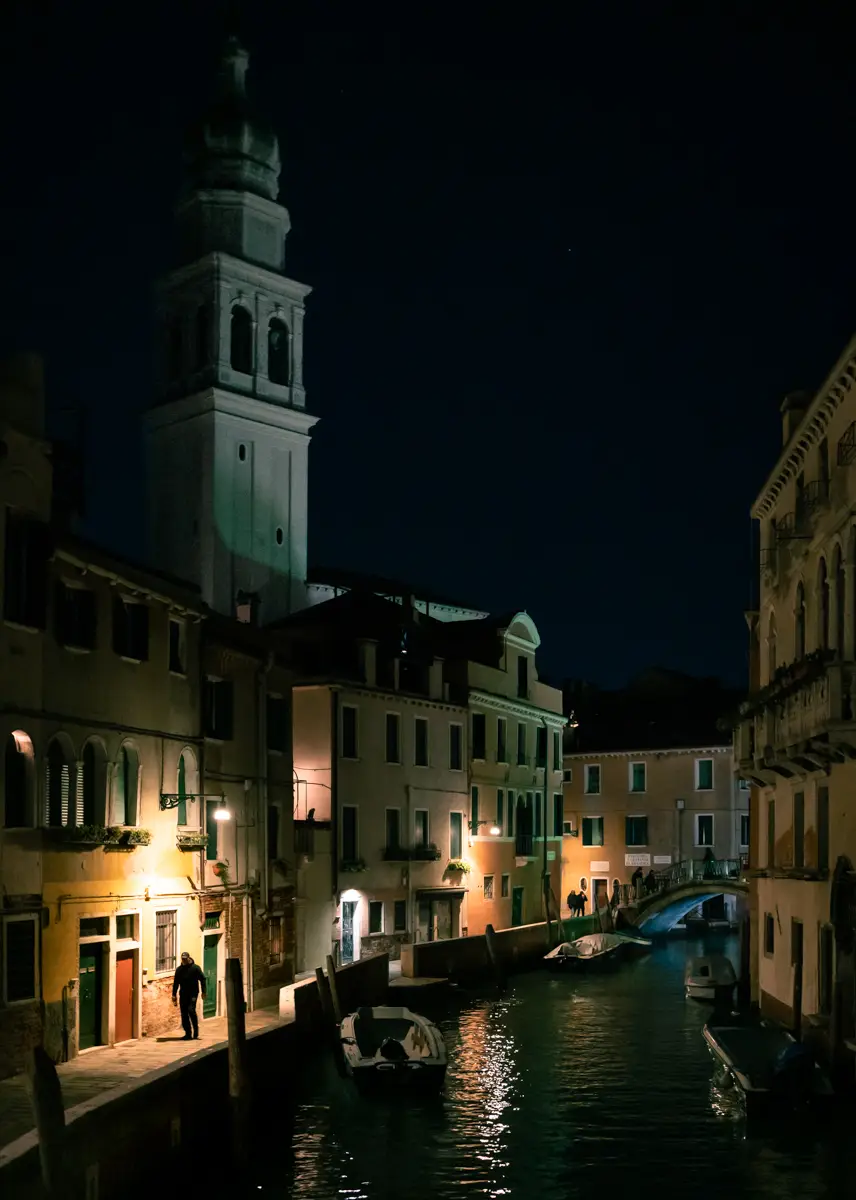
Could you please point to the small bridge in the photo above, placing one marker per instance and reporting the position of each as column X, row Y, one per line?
column 682, row 888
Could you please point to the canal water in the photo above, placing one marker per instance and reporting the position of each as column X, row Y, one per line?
column 594, row 1087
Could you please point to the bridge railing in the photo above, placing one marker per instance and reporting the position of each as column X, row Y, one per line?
column 690, row 870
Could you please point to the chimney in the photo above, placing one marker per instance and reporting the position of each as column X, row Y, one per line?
column 794, row 407
column 22, row 394
column 368, row 661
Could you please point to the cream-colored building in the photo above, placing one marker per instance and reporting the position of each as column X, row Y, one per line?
column 797, row 738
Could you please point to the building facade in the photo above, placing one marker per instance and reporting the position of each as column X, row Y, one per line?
column 796, row 740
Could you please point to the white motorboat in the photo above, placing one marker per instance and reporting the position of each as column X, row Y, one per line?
column 386, row 1045
column 594, row 949
column 768, row 1066
column 710, row 977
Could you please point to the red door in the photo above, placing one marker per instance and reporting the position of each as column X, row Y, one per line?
column 124, row 1023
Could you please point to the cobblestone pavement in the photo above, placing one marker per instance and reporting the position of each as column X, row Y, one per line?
column 101, row 1070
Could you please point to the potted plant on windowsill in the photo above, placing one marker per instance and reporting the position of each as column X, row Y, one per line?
column 426, row 853
column 221, row 870
column 194, row 840
column 456, row 867
column 352, row 866
column 87, row 835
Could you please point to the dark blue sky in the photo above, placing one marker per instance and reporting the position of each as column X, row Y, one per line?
column 564, row 274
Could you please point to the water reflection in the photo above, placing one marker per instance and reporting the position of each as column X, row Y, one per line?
column 561, row 1088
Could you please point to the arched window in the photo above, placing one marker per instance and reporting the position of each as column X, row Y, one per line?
column 823, row 597
column 92, row 809
column 241, row 356
column 799, row 623
column 771, row 646
column 58, row 787
column 186, row 786
column 279, row 352
column 17, row 767
column 839, row 601
column 202, row 347
column 127, row 787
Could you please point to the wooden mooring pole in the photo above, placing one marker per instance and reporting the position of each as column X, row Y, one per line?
column 493, row 955
column 49, row 1114
column 239, row 1088
column 333, row 985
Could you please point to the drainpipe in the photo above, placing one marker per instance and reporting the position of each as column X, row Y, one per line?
column 411, row 924
column 262, row 838
column 546, row 879
column 334, row 793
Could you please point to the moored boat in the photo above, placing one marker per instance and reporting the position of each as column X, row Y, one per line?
column 767, row 1064
column 592, row 949
column 386, row 1045
column 710, row 977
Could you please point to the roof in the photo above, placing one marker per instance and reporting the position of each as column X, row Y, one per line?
column 134, row 572
column 357, row 580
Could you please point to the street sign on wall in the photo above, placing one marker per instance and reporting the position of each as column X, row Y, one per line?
column 637, row 860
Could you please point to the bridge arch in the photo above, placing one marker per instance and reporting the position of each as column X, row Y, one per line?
column 661, row 912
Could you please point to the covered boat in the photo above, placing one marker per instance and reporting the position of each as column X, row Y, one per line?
column 393, row 1044
column 594, row 948
column 769, row 1066
column 710, row 977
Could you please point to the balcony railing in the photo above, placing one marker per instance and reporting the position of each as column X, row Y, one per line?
column 524, row 845
column 810, row 499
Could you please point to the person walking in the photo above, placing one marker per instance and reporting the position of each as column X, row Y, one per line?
column 188, row 979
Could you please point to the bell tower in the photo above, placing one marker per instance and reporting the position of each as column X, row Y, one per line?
column 227, row 435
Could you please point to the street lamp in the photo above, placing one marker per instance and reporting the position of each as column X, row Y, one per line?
column 221, row 812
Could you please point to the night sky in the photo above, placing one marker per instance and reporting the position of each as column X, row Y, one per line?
column 564, row 275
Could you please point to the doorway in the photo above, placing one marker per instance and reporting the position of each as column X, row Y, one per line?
column 210, row 961
column 517, row 906
column 599, row 894
column 349, row 914
column 797, row 960
column 90, row 1000
column 123, row 1011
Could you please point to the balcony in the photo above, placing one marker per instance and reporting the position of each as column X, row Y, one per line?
column 811, row 498
column 422, row 853
column 802, row 721
column 524, row 845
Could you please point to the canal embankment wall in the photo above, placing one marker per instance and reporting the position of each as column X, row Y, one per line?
column 126, row 1138
column 518, row 949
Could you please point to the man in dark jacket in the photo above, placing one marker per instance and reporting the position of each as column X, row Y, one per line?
column 187, row 982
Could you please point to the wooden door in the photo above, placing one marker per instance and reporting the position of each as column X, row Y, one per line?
column 210, row 955
column 123, row 1024
column 517, row 906
column 89, row 1003
column 348, row 911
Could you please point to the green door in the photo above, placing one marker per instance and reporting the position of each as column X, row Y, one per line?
column 517, row 906
column 89, row 1018
column 209, row 969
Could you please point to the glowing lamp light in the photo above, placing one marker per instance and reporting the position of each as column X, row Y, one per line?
column 495, row 830
column 221, row 812
column 351, row 894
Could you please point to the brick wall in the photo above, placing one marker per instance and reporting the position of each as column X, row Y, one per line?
column 159, row 1015
column 20, row 1031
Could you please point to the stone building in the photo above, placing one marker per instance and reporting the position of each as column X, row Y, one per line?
column 649, row 781
column 796, row 741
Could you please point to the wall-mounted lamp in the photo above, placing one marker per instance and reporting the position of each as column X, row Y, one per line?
column 221, row 812
column 495, row 830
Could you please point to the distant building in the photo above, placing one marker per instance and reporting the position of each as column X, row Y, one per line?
column 796, row 741
column 649, row 782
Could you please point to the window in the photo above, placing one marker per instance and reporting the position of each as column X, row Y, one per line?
column 279, row 357
column 273, row 832
column 704, row 829
column 94, row 927
column 592, row 831
column 567, row 828
column 349, row 731
column 126, row 927
column 509, row 812
column 474, row 811
column 17, row 762
column 744, row 829
column 420, row 827
column 456, row 757
column 479, row 736
column 799, row 829
column 500, row 740
column 93, row 785
column 25, row 572
column 557, row 750
column 592, row 779
column 521, row 745
column 538, row 812
column 130, row 629
column 638, row 780
column 241, row 350
column 399, row 917
column 277, row 722
column 488, row 887
column 393, row 740
column 504, row 886
column 456, row 835
column 420, row 742
column 558, row 813
column 500, row 809
column 166, row 938
column 541, row 747
column 177, row 646
column 275, row 941
column 349, row 832
column 212, row 829
column 375, row 916
column 823, row 828
column 522, row 677
column 185, row 765
column 393, row 828
column 58, row 787
column 636, row 831
column 567, row 775
column 19, row 978
column 75, row 617
column 218, row 702
column 704, row 774
column 769, row 934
